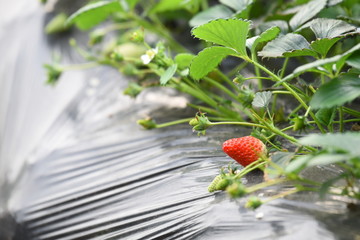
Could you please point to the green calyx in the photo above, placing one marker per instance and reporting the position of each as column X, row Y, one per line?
column 54, row 72
column 133, row 90
column 200, row 123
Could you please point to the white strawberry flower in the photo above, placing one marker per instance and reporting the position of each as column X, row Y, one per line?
column 149, row 55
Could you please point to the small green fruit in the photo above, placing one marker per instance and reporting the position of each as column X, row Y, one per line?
column 193, row 122
column 213, row 184
column 253, row 202
column 222, row 184
column 133, row 90
column 236, row 190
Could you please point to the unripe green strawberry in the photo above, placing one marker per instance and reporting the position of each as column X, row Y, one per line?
column 300, row 123
column 253, row 202
column 133, row 90
column 212, row 186
column 193, row 122
column 244, row 150
column 236, row 190
column 222, row 184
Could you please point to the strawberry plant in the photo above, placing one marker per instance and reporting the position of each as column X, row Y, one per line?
column 291, row 66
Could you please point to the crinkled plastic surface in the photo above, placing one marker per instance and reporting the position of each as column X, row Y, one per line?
column 74, row 164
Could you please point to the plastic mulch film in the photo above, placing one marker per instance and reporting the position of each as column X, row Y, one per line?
column 74, row 164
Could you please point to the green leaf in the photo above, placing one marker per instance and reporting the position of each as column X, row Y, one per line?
column 237, row 5
column 212, row 13
column 93, row 13
column 328, row 184
column 326, row 116
column 287, row 46
column 266, row 36
column 168, row 74
column 166, row 5
column 183, row 60
column 250, row 42
column 354, row 60
column 329, row 28
column 298, row 164
column 132, row 3
column 350, row 3
column 338, row 59
column 301, row 52
column 262, row 99
column 276, row 23
column 279, row 161
column 325, row 159
column 306, row 12
column 337, row 92
column 352, row 20
column 331, row 3
column 230, row 33
column 341, row 62
column 207, row 60
column 348, row 141
column 322, row 46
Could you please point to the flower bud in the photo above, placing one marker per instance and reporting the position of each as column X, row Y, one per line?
column 137, row 36
column 203, row 123
column 133, row 90
column 147, row 123
column 57, row 24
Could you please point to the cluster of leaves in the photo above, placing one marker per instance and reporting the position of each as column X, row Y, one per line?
column 312, row 53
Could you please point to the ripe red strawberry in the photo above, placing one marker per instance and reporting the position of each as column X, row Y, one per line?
column 244, row 150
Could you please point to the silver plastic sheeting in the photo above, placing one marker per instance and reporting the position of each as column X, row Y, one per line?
column 27, row 107
column 74, row 164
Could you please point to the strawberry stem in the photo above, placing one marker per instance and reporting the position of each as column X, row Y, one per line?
column 281, row 195
column 265, row 184
column 238, row 123
column 171, row 123
column 252, row 166
column 295, row 94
